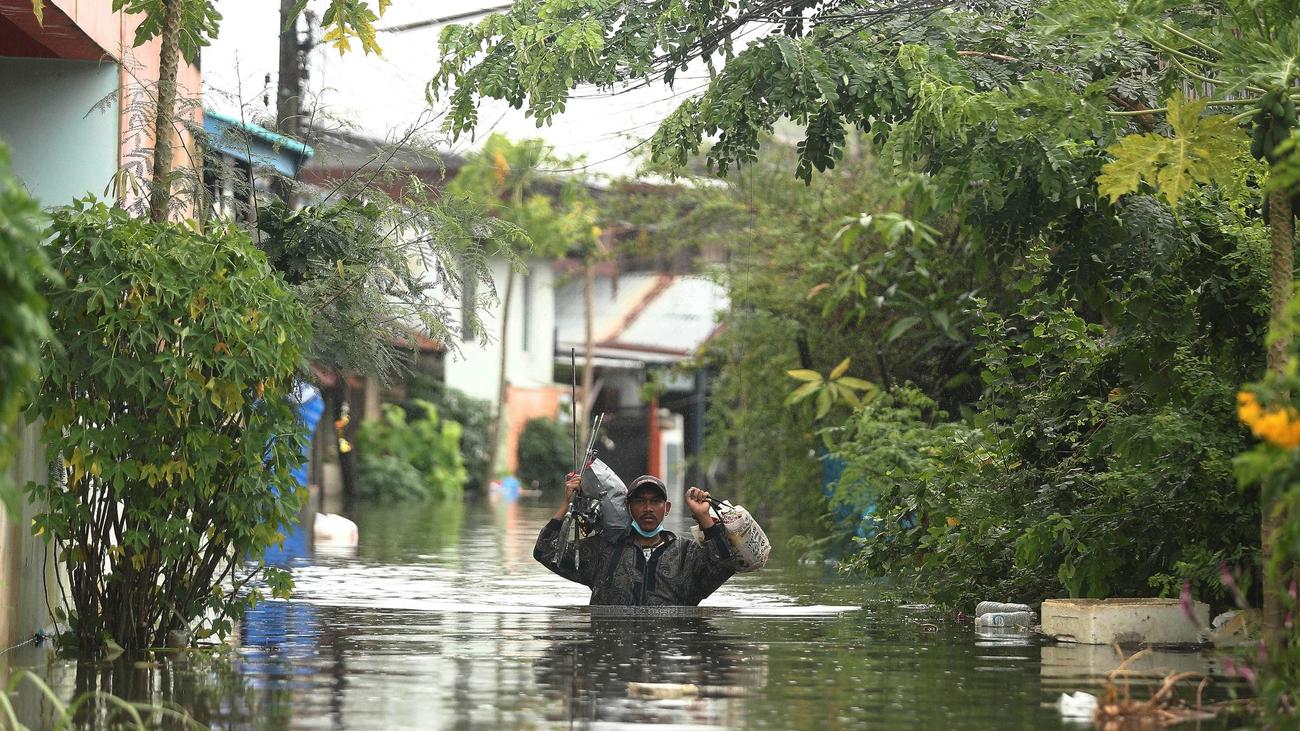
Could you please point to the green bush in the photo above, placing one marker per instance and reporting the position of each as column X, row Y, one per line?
column 1085, row 439
column 166, row 409
column 23, row 325
column 431, row 448
column 388, row 477
column 545, row 454
column 473, row 415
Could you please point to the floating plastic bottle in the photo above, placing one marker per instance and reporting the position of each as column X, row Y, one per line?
column 985, row 607
column 1005, row 619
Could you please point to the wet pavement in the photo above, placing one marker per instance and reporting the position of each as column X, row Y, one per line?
column 440, row 619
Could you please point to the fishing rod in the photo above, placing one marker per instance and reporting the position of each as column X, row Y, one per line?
column 573, row 405
column 579, row 515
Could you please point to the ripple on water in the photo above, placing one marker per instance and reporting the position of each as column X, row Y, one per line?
column 443, row 621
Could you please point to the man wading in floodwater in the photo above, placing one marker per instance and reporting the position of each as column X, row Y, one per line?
column 647, row 565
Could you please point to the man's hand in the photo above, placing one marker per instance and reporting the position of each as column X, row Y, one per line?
column 572, row 482
column 697, row 501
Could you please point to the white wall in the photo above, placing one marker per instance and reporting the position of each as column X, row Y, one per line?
column 61, row 148
column 476, row 369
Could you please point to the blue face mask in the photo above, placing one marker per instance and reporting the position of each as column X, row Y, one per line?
column 647, row 533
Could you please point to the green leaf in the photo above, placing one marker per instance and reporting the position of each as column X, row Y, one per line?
column 801, row 393
column 839, row 369
column 804, row 374
column 900, row 328
column 856, row 383
column 1136, row 157
column 823, row 403
column 1202, row 150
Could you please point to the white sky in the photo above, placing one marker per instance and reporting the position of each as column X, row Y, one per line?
column 385, row 96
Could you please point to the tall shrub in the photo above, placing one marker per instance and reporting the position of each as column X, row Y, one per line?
column 545, row 453
column 167, row 418
column 473, row 415
column 396, row 448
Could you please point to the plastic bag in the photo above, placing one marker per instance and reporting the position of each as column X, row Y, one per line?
column 749, row 544
column 600, row 484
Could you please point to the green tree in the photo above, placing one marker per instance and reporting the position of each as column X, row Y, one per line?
column 1011, row 114
column 511, row 179
column 165, row 332
column 1244, row 56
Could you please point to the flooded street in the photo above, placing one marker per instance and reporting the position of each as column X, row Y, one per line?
column 441, row 619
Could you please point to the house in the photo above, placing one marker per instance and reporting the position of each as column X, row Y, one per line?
column 74, row 114
column 239, row 155
column 472, row 361
column 646, row 327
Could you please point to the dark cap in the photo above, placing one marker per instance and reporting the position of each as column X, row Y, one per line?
column 647, row 482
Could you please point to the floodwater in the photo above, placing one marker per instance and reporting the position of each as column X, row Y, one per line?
column 440, row 619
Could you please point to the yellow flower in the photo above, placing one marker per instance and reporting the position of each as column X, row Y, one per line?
column 500, row 167
column 1280, row 427
column 1248, row 408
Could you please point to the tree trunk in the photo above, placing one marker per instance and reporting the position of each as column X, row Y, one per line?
column 1282, row 228
column 589, row 338
column 494, row 444
column 165, row 116
column 288, row 93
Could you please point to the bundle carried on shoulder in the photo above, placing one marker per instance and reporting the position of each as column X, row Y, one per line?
column 604, row 488
column 748, row 542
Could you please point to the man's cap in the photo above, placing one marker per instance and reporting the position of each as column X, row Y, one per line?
column 648, row 482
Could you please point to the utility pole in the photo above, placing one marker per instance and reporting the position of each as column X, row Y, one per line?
column 294, row 49
column 289, row 85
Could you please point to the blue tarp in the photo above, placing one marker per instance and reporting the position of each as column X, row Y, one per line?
column 279, row 636
column 861, row 519
column 310, row 408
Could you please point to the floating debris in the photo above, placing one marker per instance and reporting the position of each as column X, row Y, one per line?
column 1077, row 705
column 665, row 691
column 1000, row 607
column 1117, row 709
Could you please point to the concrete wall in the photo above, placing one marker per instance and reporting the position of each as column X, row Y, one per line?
column 477, row 368
column 61, row 149
column 524, row 404
column 27, row 583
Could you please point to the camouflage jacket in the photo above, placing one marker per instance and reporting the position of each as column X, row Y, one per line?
column 679, row 572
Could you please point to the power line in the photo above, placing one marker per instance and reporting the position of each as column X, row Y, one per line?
column 418, row 24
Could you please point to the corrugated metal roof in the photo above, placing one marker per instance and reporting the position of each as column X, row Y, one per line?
column 682, row 316
column 646, row 316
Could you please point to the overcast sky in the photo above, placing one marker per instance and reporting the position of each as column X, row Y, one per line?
column 385, row 96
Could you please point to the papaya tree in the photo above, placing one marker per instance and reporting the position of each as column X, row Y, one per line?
column 1242, row 59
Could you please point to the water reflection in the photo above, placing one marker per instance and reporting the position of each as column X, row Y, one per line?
column 441, row 620
column 588, row 674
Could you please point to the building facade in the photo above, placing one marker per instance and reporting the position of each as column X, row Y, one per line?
column 75, row 114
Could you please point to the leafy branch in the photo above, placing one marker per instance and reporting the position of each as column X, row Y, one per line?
column 828, row 390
